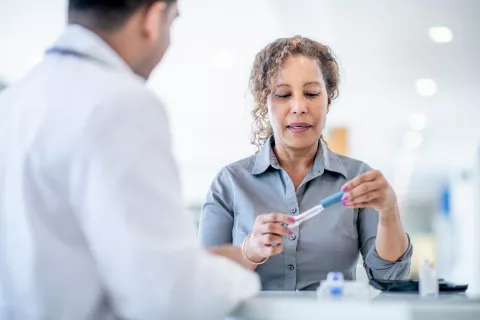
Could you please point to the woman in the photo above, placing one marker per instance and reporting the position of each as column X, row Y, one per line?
column 294, row 82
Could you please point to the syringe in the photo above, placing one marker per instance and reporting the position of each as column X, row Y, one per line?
column 325, row 203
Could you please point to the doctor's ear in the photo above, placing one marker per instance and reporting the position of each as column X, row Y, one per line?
column 158, row 17
column 154, row 17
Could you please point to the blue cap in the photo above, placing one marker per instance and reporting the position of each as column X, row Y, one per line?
column 331, row 200
column 335, row 276
column 336, row 291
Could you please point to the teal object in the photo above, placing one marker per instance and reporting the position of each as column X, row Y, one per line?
column 331, row 200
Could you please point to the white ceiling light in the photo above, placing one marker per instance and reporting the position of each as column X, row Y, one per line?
column 417, row 121
column 412, row 139
column 426, row 87
column 440, row 34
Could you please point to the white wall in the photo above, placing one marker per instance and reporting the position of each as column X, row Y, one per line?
column 27, row 28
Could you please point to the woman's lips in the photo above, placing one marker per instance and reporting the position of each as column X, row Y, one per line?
column 299, row 127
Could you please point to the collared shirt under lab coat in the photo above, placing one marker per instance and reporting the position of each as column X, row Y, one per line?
column 91, row 225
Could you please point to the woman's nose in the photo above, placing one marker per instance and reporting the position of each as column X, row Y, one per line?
column 299, row 106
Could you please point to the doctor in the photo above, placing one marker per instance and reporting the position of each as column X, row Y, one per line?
column 91, row 224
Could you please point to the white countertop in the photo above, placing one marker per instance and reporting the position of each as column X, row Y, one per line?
column 394, row 306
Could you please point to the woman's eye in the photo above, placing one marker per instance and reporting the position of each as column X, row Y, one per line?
column 312, row 94
column 283, row 95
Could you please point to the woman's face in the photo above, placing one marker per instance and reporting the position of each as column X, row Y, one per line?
column 298, row 104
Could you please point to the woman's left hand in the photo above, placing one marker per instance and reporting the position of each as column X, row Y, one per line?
column 370, row 189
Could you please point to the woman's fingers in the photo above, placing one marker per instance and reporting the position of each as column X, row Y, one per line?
column 274, row 228
column 360, row 190
column 359, row 205
column 363, row 178
column 275, row 217
column 266, row 245
column 364, row 198
column 370, row 189
column 273, row 250
column 268, row 232
column 273, row 223
column 270, row 239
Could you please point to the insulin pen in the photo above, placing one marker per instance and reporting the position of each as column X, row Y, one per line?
column 325, row 203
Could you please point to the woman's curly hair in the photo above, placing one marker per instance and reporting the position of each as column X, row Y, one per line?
column 264, row 71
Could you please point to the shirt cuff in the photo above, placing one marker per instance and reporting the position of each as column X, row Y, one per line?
column 378, row 268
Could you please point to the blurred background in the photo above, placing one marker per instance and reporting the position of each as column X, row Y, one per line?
column 408, row 102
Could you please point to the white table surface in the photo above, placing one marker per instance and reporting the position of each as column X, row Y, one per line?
column 394, row 306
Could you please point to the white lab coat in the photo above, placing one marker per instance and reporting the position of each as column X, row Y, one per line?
column 91, row 225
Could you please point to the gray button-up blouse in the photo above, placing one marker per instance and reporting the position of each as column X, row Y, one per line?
column 328, row 242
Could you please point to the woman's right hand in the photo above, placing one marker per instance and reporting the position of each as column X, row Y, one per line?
column 266, row 237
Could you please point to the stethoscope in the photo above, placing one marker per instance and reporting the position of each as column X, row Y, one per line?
column 76, row 54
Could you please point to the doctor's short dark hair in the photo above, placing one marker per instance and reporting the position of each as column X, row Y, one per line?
column 109, row 14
